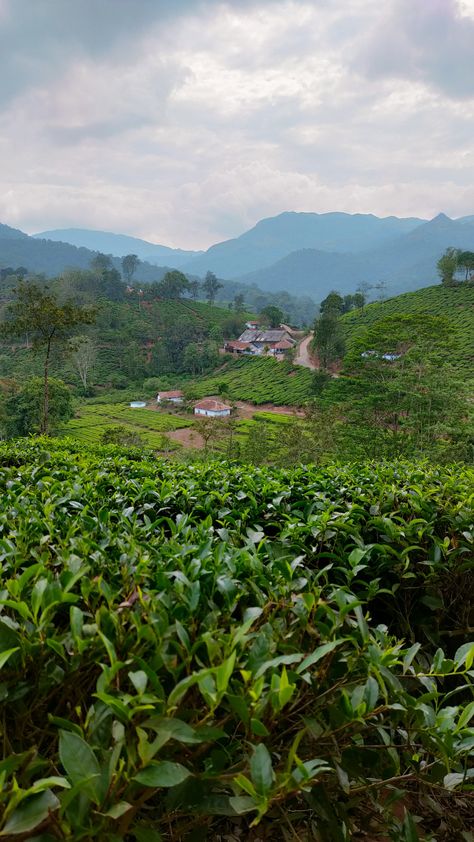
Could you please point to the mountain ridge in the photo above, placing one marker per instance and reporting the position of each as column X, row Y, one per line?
column 118, row 245
column 273, row 238
column 406, row 263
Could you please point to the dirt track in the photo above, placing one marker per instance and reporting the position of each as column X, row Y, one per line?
column 303, row 356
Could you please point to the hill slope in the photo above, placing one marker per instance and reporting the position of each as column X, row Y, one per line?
column 52, row 258
column 455, row 303
column 119, row 245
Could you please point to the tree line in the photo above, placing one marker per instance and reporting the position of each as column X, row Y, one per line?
column 455, row 263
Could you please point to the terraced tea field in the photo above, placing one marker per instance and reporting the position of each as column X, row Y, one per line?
column 258, row 380
column 455, row 303
column 93, row 419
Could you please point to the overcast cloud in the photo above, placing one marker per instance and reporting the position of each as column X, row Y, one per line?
column 186, row 122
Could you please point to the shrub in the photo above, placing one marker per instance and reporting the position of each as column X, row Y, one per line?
column 121, row 435
column 187, row 649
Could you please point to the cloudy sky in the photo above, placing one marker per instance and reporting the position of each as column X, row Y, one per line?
column 186, row 121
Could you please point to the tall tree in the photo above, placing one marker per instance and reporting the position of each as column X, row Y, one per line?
column 211, row 287
column 38, row 313
column 83, row 353
column 333, row 303
column 272, row 316
column 101, row 262
column 447, row 266
column 130, row 264
column 466, row 262
column 194, row 287
column 174, row 284
column 239, row 302
column 23, row 410
column 328, row 339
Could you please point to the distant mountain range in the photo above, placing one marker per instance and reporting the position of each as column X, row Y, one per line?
column 304, row 253
column 120, row 245
column 277, row 237
column 404, row 263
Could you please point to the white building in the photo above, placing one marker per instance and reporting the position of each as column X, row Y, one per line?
column 212, row 408
column 171, row 397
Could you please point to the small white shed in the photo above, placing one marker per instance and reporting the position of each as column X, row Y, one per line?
column 212, row 408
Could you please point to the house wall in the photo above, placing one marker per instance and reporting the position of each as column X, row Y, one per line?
column 212, row 413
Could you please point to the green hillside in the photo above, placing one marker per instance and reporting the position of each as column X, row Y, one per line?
column 455, row 303
column 188, row 651
column 134, row 342
column 258, row 380
column 91, row 420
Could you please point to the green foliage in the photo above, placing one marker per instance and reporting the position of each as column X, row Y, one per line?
column 447, row 265
column 92, row 418
column 23, row 411
column 455, row 303
column 189, row 647
column 130, row 264
column 173, row 285
column 259, row 380
column 210, row 287
column 37, row 315
column 134, row 338
column 120, row 434
column 271, row 316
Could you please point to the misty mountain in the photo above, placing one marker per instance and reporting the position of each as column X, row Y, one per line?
column 119, row 245
column 51, row 258
column 7, row 233
column 406, row 263
column 274, row 238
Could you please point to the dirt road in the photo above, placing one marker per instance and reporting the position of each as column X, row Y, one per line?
column 303, row 356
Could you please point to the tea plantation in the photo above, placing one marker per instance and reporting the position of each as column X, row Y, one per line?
column 455, row 303
column 189, row 651
column 93, row 419
column 259, row 380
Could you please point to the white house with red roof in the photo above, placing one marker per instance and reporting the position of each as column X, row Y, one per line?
column 212, row 408
column 170, row 397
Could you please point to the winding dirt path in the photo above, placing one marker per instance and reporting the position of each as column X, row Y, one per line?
column 303, row 356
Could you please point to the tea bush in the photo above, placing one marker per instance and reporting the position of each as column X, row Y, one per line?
column 93, row 418
column 259, row 380
column 189, row 650
column 456, row 302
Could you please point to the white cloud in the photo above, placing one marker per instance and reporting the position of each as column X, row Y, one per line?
column 186, row 128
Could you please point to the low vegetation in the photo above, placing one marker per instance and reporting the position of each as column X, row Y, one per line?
column 455, row 303
column 259, row 380
column 188, row 651
column 92, row 419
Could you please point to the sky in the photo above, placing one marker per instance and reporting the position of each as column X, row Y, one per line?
column 186, row 121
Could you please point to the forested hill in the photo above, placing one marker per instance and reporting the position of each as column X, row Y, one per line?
column 455, row 303
column 52, row 258
column 119, row 245
column 133, row 338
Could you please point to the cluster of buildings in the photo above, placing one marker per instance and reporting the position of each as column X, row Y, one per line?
column 256, row 341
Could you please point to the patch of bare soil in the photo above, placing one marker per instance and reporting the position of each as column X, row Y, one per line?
column 247, row 410
column 187, row 437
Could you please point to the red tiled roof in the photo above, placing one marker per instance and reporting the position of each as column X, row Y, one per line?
column 211, row 403
column 284, row 345
column 176, row 394
column 237, row 345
